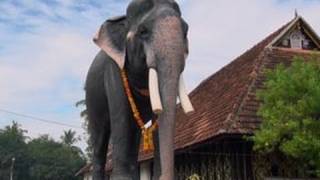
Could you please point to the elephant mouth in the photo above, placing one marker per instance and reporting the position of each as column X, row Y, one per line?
column 155, row 98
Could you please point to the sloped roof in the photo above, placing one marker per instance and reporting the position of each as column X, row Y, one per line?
column 246, row 120
column 225, row 103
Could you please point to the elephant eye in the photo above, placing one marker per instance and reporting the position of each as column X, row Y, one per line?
column 144, row 32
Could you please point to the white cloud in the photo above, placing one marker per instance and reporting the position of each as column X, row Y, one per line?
column 221, row 30
column 39, row 81
column 43, row 68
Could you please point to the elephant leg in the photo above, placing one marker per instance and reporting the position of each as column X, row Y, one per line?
column 134, row 153
column 125, row 133
column 156, row 159
column 125, row 152
column 99, row 140
column 125, row 165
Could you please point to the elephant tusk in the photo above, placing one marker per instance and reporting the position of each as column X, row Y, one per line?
column 130, row 35
column 154, row 92
column 184, row 98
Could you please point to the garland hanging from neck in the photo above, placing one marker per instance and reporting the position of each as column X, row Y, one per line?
column 148, row 144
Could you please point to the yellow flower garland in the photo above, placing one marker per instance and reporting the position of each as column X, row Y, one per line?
column 148, row 144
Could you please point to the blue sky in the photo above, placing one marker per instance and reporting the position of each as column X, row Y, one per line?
column 46, row 48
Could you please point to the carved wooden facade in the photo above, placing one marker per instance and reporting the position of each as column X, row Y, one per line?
column 216, row 161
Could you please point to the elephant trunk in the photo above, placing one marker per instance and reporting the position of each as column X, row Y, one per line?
column 169, row 92
column 166, row 59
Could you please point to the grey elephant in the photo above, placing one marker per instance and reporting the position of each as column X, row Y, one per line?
column 150, row 44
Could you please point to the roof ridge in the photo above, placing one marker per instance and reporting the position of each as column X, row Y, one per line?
column 254, row 75
column 285, row 28
column 277, row 32
column 257, row 64
column 290, row 25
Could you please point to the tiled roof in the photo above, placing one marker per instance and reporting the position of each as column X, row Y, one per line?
column 217, row 99
column 225, row 103
column 246, row 120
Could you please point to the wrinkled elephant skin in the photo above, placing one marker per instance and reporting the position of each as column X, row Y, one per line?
column 152, row 36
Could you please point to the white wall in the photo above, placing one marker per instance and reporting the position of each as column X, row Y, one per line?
column 145, row 171
column 87, row 176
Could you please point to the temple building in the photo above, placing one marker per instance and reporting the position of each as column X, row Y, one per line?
column 210, row 143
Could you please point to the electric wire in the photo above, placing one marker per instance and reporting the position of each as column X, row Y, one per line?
column 39, row 119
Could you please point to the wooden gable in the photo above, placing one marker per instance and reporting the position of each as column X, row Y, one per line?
column 298, row 35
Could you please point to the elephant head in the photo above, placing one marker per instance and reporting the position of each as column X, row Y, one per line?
column 151, row 43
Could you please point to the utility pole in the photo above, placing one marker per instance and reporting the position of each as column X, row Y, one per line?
column 11, row 169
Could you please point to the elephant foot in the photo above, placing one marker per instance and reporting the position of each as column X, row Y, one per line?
column 98, row 176
column 163, row 177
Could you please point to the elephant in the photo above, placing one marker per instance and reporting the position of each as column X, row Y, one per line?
column 150, row 44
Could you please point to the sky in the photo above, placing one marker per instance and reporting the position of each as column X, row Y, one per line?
column 46, row 49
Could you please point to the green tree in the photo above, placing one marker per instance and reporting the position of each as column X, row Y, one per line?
column 69, row 137
column 13, row 145
column 54, row 160
column 41, row 158
column 84, row 115
column 291, row 112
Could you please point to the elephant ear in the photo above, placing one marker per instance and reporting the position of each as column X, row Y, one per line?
column 111, row 38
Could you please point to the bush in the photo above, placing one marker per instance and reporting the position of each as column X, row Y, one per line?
column 291, row 112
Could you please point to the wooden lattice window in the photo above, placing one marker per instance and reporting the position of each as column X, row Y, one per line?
column 296, row 39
